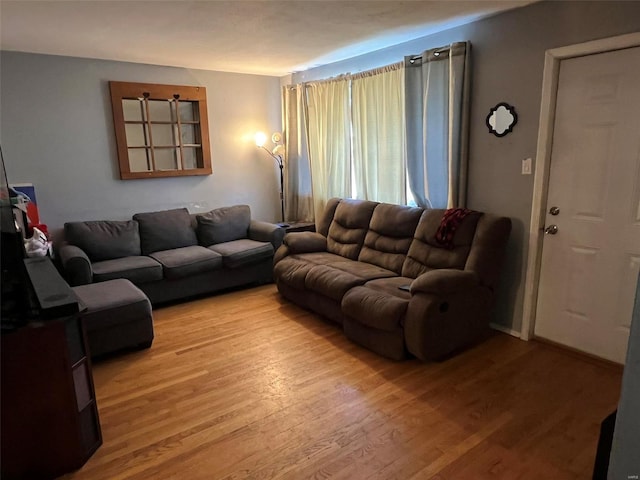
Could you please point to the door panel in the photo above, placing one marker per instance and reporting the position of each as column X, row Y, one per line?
column 590, row 266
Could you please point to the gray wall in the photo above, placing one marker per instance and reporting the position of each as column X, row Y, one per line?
column 508, row 59
column 56, row 130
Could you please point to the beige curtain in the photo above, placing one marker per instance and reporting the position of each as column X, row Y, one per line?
column 297, row 181
column 329, row 140
column 378, row 123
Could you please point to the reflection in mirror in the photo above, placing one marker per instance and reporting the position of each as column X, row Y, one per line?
column 133, row 110
column 160, row 111
column 139, row 160
column 501, row 119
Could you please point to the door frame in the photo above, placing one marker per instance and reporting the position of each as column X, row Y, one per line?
column 552, row 59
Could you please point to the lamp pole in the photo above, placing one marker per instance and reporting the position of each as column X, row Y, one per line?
column 280, row 163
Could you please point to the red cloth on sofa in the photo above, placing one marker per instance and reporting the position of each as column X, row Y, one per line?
column 451, row 220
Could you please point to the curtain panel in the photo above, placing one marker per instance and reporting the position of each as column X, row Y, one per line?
column 329, row 138
column 437, row 125
column 367, row 134
column 378, row 132
column 297, row 181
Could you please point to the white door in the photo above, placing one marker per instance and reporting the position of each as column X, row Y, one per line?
column 590, row 265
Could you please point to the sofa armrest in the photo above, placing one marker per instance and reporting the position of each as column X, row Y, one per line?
column 266, row 232
column 445, row 281
column 449, row 310
column 305, row 242
column 76, row 265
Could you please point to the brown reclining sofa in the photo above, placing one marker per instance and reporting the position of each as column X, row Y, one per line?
column 379, row 271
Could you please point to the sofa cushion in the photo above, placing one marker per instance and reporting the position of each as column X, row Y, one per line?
column 323, row 222
column 319, row 258
column 392, row 286
column 224, row 225
column 165, row 230
column 487, row 251
column 362, row 269
column 239, row 253
column 104, row 240
column 292, row 271
column 187, row 261
column 426, row 254
column 390, row 234
column 374, row 308
column 305, row 242
column 331, row 282
column 349, row 226
column 136, row 269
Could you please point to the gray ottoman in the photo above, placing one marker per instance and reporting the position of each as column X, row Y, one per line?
column 117, row 316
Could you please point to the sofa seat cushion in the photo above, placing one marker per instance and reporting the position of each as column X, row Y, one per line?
column 138, row 269
column 239, row 253
column 319, row 258
column 363, row 270
column 187, row 261
column 292, row 271
column 335, row 279
column 378, row 304
column 331, row 282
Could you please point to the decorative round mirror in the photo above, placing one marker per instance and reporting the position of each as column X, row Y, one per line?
column 501, row 119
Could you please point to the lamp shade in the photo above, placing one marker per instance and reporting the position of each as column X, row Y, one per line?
column 261, row 139
column 279, row 150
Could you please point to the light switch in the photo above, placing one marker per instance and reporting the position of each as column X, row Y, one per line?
column 526, row 166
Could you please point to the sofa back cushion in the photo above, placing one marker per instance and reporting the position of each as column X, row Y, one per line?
column 224, row 225
column 349, row 226
column 165, row 230
column 488, row 248
column 104, row 239
column 426, row 254
column 323, row 222
column 390, row 234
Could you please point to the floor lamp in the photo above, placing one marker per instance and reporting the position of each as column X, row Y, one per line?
column 278, row 155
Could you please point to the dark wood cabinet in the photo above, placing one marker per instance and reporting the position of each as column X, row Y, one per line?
column 50, row 422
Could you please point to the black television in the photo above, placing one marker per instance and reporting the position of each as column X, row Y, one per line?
column 15, row 293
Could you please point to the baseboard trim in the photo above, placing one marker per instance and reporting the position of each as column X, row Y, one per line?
column 579, row 353
column 503, row 329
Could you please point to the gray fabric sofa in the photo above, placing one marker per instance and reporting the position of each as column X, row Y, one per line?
column 172, row 254
column 384, row 274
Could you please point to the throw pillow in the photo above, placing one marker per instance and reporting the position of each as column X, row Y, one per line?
column 104, row 239
column 165, row 230
column 224, row 225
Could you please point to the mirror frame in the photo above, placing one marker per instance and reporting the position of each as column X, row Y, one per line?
column 493, row 112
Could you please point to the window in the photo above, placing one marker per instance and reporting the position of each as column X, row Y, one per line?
column 161, row 130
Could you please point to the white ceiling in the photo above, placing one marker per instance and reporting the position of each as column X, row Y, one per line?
column 267, row 37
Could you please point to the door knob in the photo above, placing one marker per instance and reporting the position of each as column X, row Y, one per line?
column 554, row 210
column 551, row 230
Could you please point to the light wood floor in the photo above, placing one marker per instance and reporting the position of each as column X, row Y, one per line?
column 247, row 385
